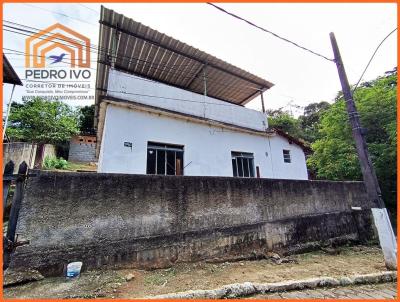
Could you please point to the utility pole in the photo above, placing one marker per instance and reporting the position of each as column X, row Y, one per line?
column 381, row 218
column 262, row 101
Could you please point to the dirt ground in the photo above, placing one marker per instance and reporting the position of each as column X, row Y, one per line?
column 201, row 275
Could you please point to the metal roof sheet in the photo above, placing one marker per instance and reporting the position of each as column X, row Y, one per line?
column 150, row 54
column 9, row 74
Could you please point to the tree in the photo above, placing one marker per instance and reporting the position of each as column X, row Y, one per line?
column 335, row 156
column 41, row 121
column 309, row 121
column 86, row 119
column 285, row 122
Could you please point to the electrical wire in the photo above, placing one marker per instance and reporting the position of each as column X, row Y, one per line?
column 96, row 49
column 60, row 14
column 20, row 53
column 169, row 69
column 270, row 32
column 85, row 6
column 372, row 57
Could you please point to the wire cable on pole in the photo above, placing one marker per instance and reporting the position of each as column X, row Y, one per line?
column 270, row 32
column 372, row 57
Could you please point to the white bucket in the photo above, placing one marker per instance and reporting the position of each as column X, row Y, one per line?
column 74, row 269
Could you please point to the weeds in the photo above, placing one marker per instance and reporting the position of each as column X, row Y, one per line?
column 51, row 162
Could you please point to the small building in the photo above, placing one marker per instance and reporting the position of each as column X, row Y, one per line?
column 164, row 107
column 82, row 148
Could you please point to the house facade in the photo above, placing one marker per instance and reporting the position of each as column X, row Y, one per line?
column 168, row 122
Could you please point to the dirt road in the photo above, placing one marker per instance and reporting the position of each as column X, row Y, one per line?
column 112, row 283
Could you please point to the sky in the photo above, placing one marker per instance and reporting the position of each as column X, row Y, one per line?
column 300, row 78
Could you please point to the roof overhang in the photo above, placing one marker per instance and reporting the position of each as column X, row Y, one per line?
column 9, row 74
column 291, row 139
column 137, row 49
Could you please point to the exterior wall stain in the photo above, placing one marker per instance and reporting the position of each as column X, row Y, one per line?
column 149, row 221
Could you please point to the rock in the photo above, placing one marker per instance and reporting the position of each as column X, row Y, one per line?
column 129, row 277
column 245, row 289
column 273, row 255
column 15, row 277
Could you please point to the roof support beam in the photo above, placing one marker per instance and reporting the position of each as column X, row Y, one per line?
column 195, row 76
column 127, row 32
column 252, row 96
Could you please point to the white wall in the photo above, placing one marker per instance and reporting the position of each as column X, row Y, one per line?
column 206, row 148
column 139, row 90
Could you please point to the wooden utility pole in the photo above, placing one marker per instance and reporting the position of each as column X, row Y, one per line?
column 381, row 218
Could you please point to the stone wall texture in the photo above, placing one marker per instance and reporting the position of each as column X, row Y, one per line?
column 150, row 221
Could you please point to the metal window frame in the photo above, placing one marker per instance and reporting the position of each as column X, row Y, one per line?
column 287, row 158
column 167, row 148
column 249, row 156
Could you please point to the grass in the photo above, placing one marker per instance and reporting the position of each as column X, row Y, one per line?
column 160, row 278
column 59, row 164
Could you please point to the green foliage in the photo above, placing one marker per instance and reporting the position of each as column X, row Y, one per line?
column 309, row 121
column 86, row 119
column 335, row 156
column 286, row 122
column 51, row 162
column 305, row 127
column 42, row 121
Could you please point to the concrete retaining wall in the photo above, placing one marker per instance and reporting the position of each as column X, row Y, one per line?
column 19, row 152
column 49, row 150
column 154, row 221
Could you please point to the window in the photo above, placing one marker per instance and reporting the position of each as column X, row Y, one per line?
column 243, row 164
column 286, row 156
column 164, row 159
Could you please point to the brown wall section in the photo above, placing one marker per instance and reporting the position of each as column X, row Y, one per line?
column 154, row 221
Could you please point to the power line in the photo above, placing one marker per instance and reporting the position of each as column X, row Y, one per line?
column 270, row 32
column 85, row 6
column 60, row 14
column 20, row 53
column 96, row 49
column 172, row 68
column 372, row 57
column 168, row 69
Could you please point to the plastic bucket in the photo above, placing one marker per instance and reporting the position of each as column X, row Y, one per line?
column 74, row 269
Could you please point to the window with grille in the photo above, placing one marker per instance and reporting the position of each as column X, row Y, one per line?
column 243, row 164
column 164, row 159
column 286, row 156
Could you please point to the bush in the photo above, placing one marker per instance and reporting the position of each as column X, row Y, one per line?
column 51, row 162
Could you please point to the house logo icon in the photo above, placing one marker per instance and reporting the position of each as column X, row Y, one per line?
column 57, row 44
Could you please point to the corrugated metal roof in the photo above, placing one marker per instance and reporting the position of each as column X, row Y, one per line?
column 9, row 74
column 148, row 53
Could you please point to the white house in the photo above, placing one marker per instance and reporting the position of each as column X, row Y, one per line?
column 164, row 107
